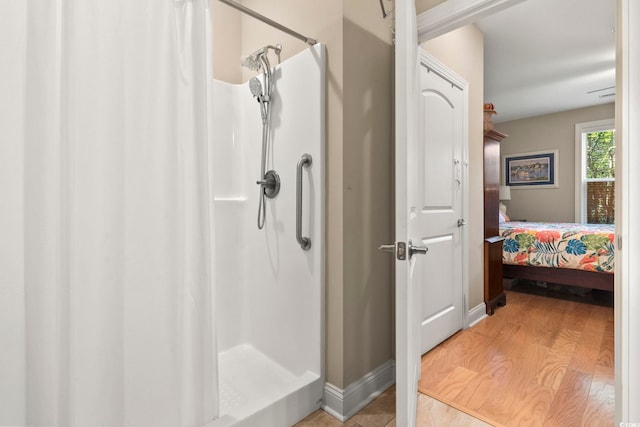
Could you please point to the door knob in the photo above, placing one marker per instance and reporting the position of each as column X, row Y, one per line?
column 388, row 248
column 400, row 249
column 417, row 249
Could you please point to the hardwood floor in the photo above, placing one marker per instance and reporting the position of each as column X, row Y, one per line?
column 537, row 361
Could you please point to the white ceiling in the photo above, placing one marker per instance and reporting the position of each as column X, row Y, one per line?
column 545, row 56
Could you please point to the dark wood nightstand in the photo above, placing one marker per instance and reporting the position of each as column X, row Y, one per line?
column 493, row 292
column 494, row 295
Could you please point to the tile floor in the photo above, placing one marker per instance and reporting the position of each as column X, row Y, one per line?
column 381, row 413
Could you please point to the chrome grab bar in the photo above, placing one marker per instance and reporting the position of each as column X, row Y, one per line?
column 305, row 242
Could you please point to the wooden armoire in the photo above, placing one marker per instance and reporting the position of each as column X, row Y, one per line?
column 493, row 291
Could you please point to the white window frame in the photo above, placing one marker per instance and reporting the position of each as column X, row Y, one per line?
column 581, row 164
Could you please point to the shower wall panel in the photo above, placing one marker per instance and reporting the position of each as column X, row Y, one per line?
column 269, row 292
column 285, row 282
column 227, row 164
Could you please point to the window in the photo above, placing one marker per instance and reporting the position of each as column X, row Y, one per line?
column 595, row 172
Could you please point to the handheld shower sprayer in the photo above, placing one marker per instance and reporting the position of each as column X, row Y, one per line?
column 256, row 90
column 255, row 87
column 269, row 181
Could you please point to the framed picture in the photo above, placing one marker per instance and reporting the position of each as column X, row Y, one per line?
column 531, row 170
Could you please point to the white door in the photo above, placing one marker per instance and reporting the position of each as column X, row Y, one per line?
column 407, row 289
column 437, row 206
column 410, row 190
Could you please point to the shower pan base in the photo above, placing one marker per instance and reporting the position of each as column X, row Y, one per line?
column 255, row 390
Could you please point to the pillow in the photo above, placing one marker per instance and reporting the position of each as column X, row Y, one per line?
column 502, row 209
column 502, row 217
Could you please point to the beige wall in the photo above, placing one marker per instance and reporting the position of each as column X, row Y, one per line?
column 548, row 132
column 467, row 61
column 359, row 321
column 368, row 201
column 226, row 42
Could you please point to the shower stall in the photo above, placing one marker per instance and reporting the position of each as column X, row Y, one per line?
column 136, row 289
column 269, row 294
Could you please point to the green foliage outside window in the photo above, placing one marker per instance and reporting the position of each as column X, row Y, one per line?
column 601, row 154
column 601, row 167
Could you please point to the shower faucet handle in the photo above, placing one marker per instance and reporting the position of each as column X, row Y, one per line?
column 266, row 183
column 270, row 183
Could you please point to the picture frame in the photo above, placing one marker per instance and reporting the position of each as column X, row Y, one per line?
column 534, row 170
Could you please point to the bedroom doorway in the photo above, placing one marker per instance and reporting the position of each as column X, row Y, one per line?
column 624, row 317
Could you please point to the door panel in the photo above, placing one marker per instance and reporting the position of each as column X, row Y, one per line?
column 440, row 312
column 437, row 197
column 441, row 140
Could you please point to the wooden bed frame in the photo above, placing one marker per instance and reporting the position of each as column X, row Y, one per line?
column 562, row 276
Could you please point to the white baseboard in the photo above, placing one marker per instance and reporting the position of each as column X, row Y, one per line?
column 476, row 314
column 343, row 404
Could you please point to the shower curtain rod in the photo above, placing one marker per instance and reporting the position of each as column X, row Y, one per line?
column 268, row 21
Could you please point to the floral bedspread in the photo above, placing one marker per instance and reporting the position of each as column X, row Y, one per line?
column 580, row 246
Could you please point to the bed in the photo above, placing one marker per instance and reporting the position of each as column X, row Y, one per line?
column 563, row 253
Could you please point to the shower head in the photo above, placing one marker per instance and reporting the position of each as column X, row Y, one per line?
column 257, row 59
column 251, row 62
column 256, row 87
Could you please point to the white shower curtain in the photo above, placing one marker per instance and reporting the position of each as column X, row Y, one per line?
column 106, row 313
